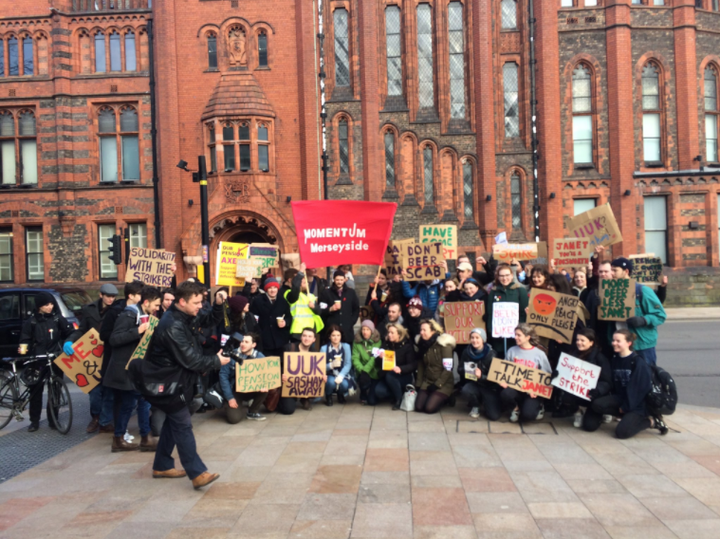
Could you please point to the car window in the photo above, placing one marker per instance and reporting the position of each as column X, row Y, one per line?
column 75, row 300
column 10, row 306
column 29, row 303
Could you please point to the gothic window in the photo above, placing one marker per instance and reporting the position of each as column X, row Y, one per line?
column 651, row 105
column 13, row 57
column 342, row 47
column 28, row 59
column 510, row 92
column 516, row 201
column 115, row 54
column 343, row 146
column 125, row 165
column 262, row 49
column 130, row 57
column 468, row 191
column 100, row 53
column 428, row 184
column 426, row 89
column 228, row 133
column 711, row 114
column 389, row 160
column 393, row 49
column 244, row 138
column 212, row 148
column 212, row 51
column 34, row 258
column 508, row 14
column 263, row 148
column 130, row 140
column 27, row 142
column 18, row 148
column 457, row 60
column 108, row 145
column 582, row 124
column 7, row 148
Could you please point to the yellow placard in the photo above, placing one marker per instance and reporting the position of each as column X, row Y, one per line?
column 388, row 360
column 226, row 263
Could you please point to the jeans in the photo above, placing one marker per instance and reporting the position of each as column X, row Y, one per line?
column 392, row 387
column 129, row 400
column 630, row 424
column 234, row 415
column 489, row 397
column 331, row 386
column 101, row 404
column 529, row 407
column 177, row 431
column 649, row 355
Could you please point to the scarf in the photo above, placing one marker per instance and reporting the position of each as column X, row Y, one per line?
column 424, row 346
column 478, row 355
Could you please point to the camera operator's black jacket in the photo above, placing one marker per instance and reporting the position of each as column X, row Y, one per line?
column 36, row 333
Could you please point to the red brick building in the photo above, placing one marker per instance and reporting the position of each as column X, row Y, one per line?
column 428, row 103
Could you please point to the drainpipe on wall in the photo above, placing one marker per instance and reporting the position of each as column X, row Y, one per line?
column 533, row 122
column 153, row 135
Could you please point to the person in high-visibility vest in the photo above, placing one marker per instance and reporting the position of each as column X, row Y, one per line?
column 303, row 306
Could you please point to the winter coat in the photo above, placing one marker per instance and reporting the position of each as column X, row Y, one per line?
column 124, row 339
column 362, row 358
column 249, row 325
column 632, row 381
column 596, row 357
column 348, row 313
column 515, row 293
column 45, row 333
column 106, row 329
column 405, row 356
column 92, row 316
column 227, row 375
column 431, row 371
column 346, row 359
column 460, row 295
column 483, row 360
column 428, row 293
column 271, row 335
column 382, row 326
column 413, row 324
column 650, row 308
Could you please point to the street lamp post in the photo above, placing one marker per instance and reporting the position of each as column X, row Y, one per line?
column 200, row 176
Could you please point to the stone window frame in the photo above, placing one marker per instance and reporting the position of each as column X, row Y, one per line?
column 117, row 109
column 428, row 205
column 26, row 230
column 515, row 170
column 333, row 8
column 20, row 37
column 434, row 54
column 501, row 4
column 592, row 113
column 714, row 68
column 17, row 138
column 122, row 32
column 344, row 119
column 660, row 111
column 214, row 128
column 262, row 32
column 468, row 161
column 7, row 230
column 211, row 35
column 515, row 61
column 383, row 32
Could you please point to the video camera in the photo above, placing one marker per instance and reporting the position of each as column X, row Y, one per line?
column 232, row 348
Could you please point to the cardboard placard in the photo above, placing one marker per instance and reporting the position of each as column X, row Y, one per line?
column 617, row 299
column 571, row 253
column 393, row 256
column 520, row 377
column 150, row 266
column 84, row 366
column 576, row 376
column 422, row 261
column 597, row 225
column 506, row 317
column 542, row 254
column 647, row 268
column 226, row 263
column 249, row 268
column 462, row 317
column 445, row 234
column 305, row 371
column 553, row 315
column 257, row 374
column 388, row 363
column 505, row 252
column 290, row 260
column 266, row 252
column 141, row 348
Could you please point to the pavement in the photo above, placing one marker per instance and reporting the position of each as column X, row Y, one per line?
column 362, row 472
column 692, row 313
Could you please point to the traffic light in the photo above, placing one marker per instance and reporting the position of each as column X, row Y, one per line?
column 116, row 249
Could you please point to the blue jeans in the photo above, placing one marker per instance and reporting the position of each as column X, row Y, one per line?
column 331, row 386
column 177, row 431
column 392, row 387
column 129, row 400
column 649, row 355
column 101, row 404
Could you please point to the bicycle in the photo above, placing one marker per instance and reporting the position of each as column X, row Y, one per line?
column 13, row 401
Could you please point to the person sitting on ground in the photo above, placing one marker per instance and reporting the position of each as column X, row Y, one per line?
column 632, row 381
column 435, row 369
column 392, row 383
column 416, row 313
column 479, row 391
column 339, row 362
column 248, row 352
column 287, row 405
column 365, row 350
column 526, row 353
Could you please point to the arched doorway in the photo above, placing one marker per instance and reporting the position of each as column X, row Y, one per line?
column 247, row 236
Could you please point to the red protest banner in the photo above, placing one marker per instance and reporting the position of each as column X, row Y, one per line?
column 333, row 232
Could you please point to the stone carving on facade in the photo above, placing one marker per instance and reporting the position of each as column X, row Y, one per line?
column 237, row 191
column 237, row 47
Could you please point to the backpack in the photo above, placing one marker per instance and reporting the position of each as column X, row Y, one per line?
column 662, row 398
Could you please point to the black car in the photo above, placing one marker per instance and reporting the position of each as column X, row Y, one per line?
column 16, row 304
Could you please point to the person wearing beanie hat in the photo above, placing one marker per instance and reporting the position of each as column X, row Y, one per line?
column 241, row 320
column 366, row 359
column 271, row 282
column 623, row 264
column 42, row 333
column 473, row 369
column 339, row 305
column 273, row 318
column 415, row 313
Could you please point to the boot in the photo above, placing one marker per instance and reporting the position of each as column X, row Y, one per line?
column 204, row 479
column 341, row 398
column 172, row 473
column 93, row 425
column 119, row 444
column 328, row 400
column 148, row 443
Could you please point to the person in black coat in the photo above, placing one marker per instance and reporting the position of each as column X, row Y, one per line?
column 241, row 320
column 274, row 319
column 339, row 305
column 479, row 390
column 414, row 314
column 43, row 333
column 392, row 383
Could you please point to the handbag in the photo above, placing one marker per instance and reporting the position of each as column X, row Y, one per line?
column 409, row 398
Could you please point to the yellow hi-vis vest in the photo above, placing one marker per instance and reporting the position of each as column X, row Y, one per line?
column 303, row 315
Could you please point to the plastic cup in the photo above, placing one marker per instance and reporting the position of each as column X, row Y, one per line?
column 23, row 349
column 144, row 318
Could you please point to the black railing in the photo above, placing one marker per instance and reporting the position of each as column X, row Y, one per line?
column 110, row 5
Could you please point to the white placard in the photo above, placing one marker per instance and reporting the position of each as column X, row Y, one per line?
column 501, row 238
column 576, row 376
column 506, row 316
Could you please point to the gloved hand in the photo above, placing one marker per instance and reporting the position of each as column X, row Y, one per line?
column 636, row 322
column 593, row 394
column 68, row 349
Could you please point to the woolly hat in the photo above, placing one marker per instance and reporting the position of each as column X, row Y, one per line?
column 623, row 263
column 472, row 281
column 237, row 304
column 368, row 324
column 270, row 282
column 481, row 332
column 415, row 302
column 43, row 298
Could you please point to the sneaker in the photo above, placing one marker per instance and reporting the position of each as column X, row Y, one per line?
column 541, row 413
column 255, row 416
column 660, row 425
column 514, row 416
column 578, row 419
column 475, row 412
column 607, row 418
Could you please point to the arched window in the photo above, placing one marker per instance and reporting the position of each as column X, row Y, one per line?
column 428, row 184
column 342, row 47
column 130, row 56
column 468, row 191
column 115, row 55
column 212, row 51
column 27, row 141
column 516, row 201
column 107, row 131
column 582, row 125
column 510, row 93
column 28, row 56
column 100, row 66
column 426, row 85
column 389, row 160
column 343, row 146
column 130, row 139
column 651, row 105
column 457, row 60
column 393, row 50
column 508, row 14
column 711, row 114
column 262, row 49
column 13, row 57
column 263, row 148
column 212, row 148
column 7, row 148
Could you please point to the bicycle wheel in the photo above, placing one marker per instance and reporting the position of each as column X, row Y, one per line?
column 59, row 404
column 8, row 397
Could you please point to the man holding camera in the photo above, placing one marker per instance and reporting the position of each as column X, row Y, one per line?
column 247, row 352
column 175, row 347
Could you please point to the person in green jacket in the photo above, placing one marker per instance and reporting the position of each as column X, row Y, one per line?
column 365, row 351
column 504, row 290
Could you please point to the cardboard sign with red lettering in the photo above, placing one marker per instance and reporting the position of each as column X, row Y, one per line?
column 462, row 317
column 305, row 372
column 423, row 261
column 598, row 226
column 520, row 377
column 505, row 252
column 84, row 366
column 553, row 315
column 576, row 376
column 571, row 253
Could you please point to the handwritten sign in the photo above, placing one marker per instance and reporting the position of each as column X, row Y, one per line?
column 141, row 348
column 598, row 226
column 554, row 315
column 647, row 268
column 305, row 371
column 226, row 263
column 517, row 376
column 505, row 252
column 249, row 268
column 84, row 366
column 571, row 252
column 150, row 266
column 422, row 261
column 267, row 253
column 576, row 376
column 388, row 363
column 542, row 254
column 257, row 374
column 506, row 316
column 290, row 260
column 445, row 234
column 462, row 317
column 393, row 256
column 617, row 299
